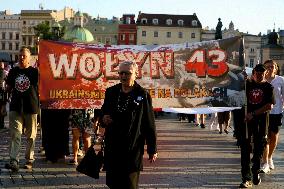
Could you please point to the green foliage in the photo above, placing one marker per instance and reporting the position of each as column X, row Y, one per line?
column 44, row 31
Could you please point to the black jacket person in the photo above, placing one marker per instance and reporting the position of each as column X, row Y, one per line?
column 129, row 120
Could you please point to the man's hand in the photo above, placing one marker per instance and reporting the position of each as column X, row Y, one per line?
column 107, row 119
column 248, row 117
column 152, row 157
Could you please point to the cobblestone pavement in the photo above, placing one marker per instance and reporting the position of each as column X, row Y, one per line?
column 189, row 157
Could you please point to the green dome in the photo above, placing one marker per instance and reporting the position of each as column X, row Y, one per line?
column 78, row 34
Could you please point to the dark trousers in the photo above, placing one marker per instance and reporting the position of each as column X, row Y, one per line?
column 121, row 179
column 257, row 130
column 2, row 123
column 55, row 134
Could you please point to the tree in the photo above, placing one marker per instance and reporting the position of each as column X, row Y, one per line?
column 42, row 31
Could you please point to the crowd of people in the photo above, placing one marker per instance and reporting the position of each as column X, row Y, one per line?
column 127, row 116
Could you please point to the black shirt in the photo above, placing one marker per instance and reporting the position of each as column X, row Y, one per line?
column 24, row 90
column 258, row 95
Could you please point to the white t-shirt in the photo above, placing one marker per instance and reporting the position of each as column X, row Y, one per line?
column 278, row 85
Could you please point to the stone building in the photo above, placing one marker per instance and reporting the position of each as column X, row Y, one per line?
column 127, row 32
column 273, row 50
column 104, row 30
column 30, row 19
column 10, row 34
column 252, row 43
column 158, row 29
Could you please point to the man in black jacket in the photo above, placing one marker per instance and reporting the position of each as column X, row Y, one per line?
column 129, row 120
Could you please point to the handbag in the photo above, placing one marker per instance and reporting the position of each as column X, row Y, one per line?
column 92, row 163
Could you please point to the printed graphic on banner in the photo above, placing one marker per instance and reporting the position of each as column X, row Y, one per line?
column 75, row 75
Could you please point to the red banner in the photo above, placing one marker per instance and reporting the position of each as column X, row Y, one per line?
column 74, row 75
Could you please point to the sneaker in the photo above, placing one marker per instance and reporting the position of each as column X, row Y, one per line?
column 13, row 165
column 271, row 164
column 265, row 168
column 246, row 184
column 256, row 179
column 202, row 126
column 28, row 165
column 226, row 131
column 73, row 162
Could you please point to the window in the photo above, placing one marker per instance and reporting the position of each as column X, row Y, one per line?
column 192, row 35
column 10, row 35
column 30, row 41
column 169, row 34
column 30, row 29
column 144, row 33
column 252, row 50
column 131, row 37
column 107, row 40
column 99, row 39
column 24, row 41
column 156, row 34
column 128, row 20
column 3, row 35
column 24, row 22
column 144, row 20
column 251, row 62
column 10, row 46
column 194, row 23
column 169, row 21
column 122, row 37
column 180, row 22
column 155, row 21
column 180, row 35
column 17, row 46
column 3, row 46
column 17, row 36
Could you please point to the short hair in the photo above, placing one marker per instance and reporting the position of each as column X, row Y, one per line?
column 259, row 68
column 129, row 63
column 25, row 49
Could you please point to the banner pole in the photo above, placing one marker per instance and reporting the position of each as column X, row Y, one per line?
column 242, row 61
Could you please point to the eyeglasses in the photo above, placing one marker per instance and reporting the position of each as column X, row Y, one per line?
column 125, row 72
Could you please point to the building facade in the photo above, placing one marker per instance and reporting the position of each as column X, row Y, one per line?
column 105, row 31
column 273, row 49
column 252, row 43
column 127, row 31
column 30, row 19
column 10, row 34
column 159, row 29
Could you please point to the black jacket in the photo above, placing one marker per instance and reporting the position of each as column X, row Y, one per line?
column 126, row 136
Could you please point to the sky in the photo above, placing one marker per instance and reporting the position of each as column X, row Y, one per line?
column 252, row 16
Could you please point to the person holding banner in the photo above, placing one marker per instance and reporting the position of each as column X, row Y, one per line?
column 275, row 116
column 22, row 84
column 128, row 118
column 260, row 100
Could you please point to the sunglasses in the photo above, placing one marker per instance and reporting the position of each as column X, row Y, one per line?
column 125, row 73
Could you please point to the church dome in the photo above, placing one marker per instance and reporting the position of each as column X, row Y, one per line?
column 78, row 34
